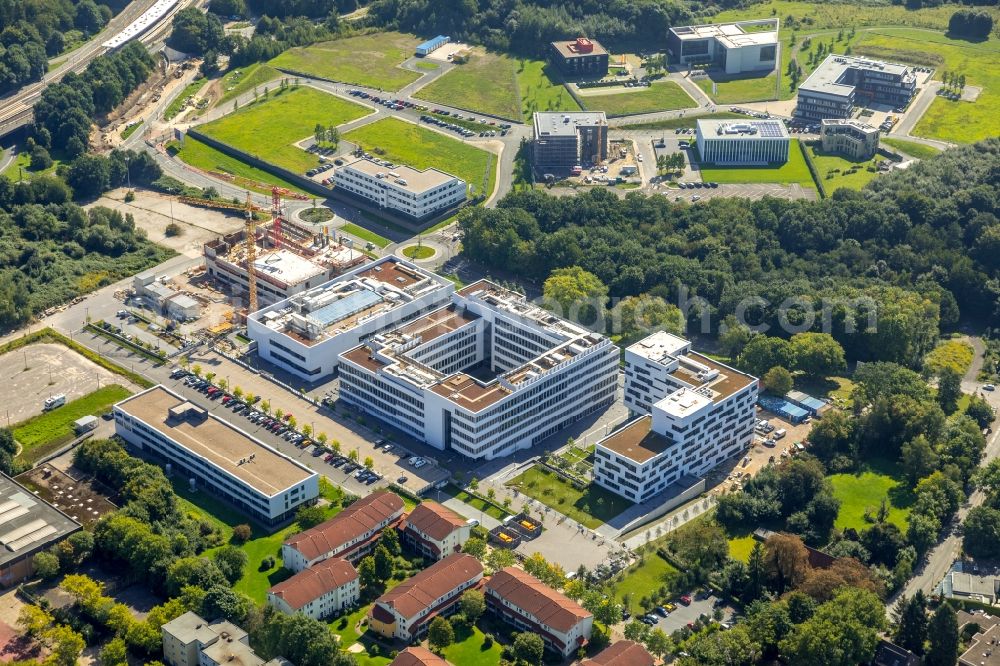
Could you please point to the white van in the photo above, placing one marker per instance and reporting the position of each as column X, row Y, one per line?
column 779, row 433
column 54, row 401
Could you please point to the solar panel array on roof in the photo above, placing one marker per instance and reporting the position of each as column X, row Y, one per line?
column 345, row 307
column 770, row 129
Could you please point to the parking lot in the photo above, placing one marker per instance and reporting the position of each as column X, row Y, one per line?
column 683, row 615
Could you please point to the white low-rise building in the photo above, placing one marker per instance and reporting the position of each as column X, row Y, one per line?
column 853, row 138
column 692, row 414
column 485, row 376
column 744, row 142
column 401, row 189
column 735, row 48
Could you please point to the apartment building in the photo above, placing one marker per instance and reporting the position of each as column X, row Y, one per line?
column 519, row 599
column 349, row 535
column 622, row 653
column 842, row 82
column 485, row 376
column 189, row 640
column 414, row 193
column 320, row 591
column 215, row 455
column 306, row 333
column 735, row 48
column 418, row 656
column 852, row 138
column 691, row 413
column 565, row 140
column 434, row 531
column 405, row 611
column 580, row 57
column 747, row 142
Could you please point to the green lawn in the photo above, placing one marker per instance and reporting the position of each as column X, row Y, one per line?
column 542, row 89
column 406, row 143
column 836, row 171
column 270, row 128
column 954, row 354
column 365, row 235
column 131, row 129
column 920, row 151
column 366, row 60
column 642, row 579
column 427, row 66
column 740, row 547
column 686, row 121
column 56, row 426
column 792, row 171
column 866, row 490
column 244, row 79
column 203, row 156
column 661, row 96
column 590, row 507
column 468, row 650
column 486, row 507
column 418, row 252
column 735, row 91
column 178, row 102
column 486, row 84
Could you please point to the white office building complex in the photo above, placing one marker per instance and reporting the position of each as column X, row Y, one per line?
column 401, row 189
column 735, row 48
column 746, row 142
column 215, row 455
column 305, row 334
column 841, row 82
column 853, row 138
column 484, row 376
column 693, row 413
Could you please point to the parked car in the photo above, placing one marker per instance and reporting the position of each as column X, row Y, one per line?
column 686, row 600
column 402, row 479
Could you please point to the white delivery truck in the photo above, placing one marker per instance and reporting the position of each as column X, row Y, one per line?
column 54, row 401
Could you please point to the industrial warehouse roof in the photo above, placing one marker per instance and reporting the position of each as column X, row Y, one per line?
column 553, row 123
column 27, row 523
column 212, row 440
column 403, row 177
column 831, row 75
column 525, row 592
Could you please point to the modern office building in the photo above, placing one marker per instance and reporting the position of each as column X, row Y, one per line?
column 484, row 376
column 735, row 48
column 215, row 455
column 841, row 82
column 405, row 611
column 566, row 140
column 622, row 653
column 305, row 334
column 851, row 138
column 693, row 413
column 434, row 531
column 401, row 189
column 580, row 57
column 350, row 535
column 189, row 640
column 320, row 591
column 745, row 142
column 521, row 600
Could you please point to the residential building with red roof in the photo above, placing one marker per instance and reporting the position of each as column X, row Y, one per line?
column 528, row 604
column 405, row 611
column 418, row 656
column 622, row 653
column 319, row 591
column 434, row 531
column 350, row 535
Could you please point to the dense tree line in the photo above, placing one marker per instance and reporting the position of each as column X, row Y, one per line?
column 315, row 9
column 972, row 24
column 275, row 35
column 66, row 110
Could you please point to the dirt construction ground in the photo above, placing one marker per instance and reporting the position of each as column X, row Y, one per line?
column 52, row 369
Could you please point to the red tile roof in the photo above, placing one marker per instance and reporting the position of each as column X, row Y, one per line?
column 435, row 520
column 424, row 589
column 352, row 523
column 314, row 582
column 622, row 653
column 531, row 595
column 418, row 656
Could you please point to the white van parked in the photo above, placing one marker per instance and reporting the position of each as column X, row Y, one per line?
column 779, row 433
column 54, row 401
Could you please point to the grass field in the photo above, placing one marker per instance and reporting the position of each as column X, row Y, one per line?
column 131, row 129
column 418, row 252
column 836, row 171
column 56, row 426
column 203, row 156
column 954, row 354
column 486, row 84
column 406, row 143
column 792, row 171
column 542, row 89
column 492, row 510
column 866, row 490
column 912, row 148
column 468, row 649
column 21, row 165
column 178, row 102
column 740, row 547
column 734, row 91
column 238, row 81
column 661, row 96
column 686, row 121
column 642, row 579
column 365, row 235
column 366, row 60
column 590, row 507
column 269, row 128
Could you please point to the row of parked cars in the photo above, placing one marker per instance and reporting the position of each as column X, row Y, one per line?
column 320, row 169
column 696, row 184
column 458, row 129
column 345, row 464
column 397, row 104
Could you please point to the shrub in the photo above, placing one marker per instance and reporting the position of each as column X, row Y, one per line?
column 173, row 229
column 241, row 533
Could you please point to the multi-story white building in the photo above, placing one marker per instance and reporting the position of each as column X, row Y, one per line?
column 306, row 333
column 401, row 189
column 215, row 454
column 747, row 142
column 434, row 530
column 735, row 48
column 841, row 82
column 189, row 640
column 693, row 413
column 484, row 376
column 853, row 138
column 319, row 591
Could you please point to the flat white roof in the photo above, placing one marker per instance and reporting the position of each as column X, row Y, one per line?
column 287, row 266
column 742, row 129
column 828, row 76
column 554, row 123
column 659, row 347
column 683, row 402
column 730, row 35
column 415, row 180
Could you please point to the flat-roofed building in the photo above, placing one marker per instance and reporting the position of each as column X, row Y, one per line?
column 519, row 599
column 306, row 333
column 434, row 531
column 622, row 653
column 189, row 640
column 852, row 138
column 215, row 454
column 485, row 376
column 693, row 413
column 744, row 142
column 28, row 524
column 417, row 655
column 842, row 82
column 565, row 140
column 580, row 57
column 349, row 535
column 415, row 193
column 405, row 611
column 320, row 591
column 735, row 48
